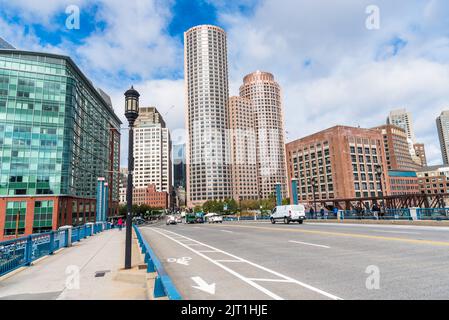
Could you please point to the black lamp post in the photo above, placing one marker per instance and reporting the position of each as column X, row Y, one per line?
column 313, row 191
column 131, row 113
column 379, row 170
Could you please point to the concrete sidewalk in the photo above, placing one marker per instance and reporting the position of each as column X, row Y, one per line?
column 90, row 269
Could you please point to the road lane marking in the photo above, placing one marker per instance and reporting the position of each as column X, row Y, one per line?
column 351, row 235
column 208, row 251
column 310, row 244
column 243, row 278
column 227, row 231
column 203, row 285
column 229, row 261
column 238, row 275
column 400, row 232
column 270, row 280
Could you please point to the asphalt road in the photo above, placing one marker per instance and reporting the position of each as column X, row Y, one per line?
column 258, row 260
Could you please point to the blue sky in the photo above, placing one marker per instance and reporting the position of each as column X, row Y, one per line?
column 332, row 68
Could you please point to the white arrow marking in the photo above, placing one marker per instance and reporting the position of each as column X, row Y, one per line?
column 203, row 286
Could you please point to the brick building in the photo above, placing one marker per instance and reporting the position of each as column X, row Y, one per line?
column 342, row 161
column 434, row 179
column 403, row 182
column 397, row 150
column 151, row 197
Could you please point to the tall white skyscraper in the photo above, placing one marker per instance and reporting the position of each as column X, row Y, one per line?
column 207, row 119
column 265, row 95
column 152, row 148
column 403, row 119
column 443, row 134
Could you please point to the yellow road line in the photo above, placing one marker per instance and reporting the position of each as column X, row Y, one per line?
column 342, row 234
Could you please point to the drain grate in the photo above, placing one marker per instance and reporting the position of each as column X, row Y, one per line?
column 100, row 274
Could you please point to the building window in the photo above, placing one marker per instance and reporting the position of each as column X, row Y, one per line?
column 43, row 216
column 15, row 217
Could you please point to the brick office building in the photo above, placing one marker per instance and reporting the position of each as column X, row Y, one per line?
column 434, row 179
column 403, row 182
column 342, row 160
column 151, row 197
column 397, row 150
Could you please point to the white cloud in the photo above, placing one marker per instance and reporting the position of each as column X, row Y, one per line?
column 344, row 84
column 134, row 41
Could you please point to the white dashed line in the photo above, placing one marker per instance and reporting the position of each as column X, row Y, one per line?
column 310, row 244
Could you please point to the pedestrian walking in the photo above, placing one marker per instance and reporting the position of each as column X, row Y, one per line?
column 322, row 213
column 120, row 224
column 335, row 211
column 312, row 213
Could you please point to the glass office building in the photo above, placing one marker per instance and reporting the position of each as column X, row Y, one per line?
column 58, row 135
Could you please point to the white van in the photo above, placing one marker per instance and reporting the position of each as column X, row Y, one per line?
column 214, row 218
column 295, row 213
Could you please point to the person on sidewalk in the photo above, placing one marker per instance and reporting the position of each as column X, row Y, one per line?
column 120, row 224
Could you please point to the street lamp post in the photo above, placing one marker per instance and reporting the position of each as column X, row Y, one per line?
column 131, row 113
column 379, row 170
column 313, row 191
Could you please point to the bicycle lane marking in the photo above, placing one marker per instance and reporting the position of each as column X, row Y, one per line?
column 249, row 281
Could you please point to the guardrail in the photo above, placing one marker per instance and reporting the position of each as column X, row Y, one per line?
column 23, row 251
column 390, row 214
column 433, row 214
column 163, row 286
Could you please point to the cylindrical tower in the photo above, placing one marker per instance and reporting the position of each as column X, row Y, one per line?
column 265, row 95
column 207, row 119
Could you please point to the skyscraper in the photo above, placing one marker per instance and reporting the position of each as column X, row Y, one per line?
column 152, row 147
column 207, row 120
column 179, row 165
column 403, row 119
column 443, row 134
column 243, row 149
column 265, row 95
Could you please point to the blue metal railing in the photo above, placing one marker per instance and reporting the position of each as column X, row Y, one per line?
column 23, row 251
column 433, row 214
column 163, row 286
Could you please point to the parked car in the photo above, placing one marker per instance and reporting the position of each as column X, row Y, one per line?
column 139, row 221
column 214, row 218
column 170, row 220
column 178, row 219
column 290, row 213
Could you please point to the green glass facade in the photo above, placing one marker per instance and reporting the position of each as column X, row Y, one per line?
column 57, row 133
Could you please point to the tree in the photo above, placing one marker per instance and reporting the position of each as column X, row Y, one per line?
column 122, row 210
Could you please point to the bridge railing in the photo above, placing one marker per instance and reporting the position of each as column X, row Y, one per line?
column 433, row 214
column 163, row 286
column 23, row 251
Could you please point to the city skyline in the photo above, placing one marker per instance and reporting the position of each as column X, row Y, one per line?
column 367, row 74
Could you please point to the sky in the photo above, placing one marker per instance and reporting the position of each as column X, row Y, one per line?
column 335, row 64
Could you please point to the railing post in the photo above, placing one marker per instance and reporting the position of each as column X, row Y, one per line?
column 28, row 250
column 159, row 288
column 52, row 242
